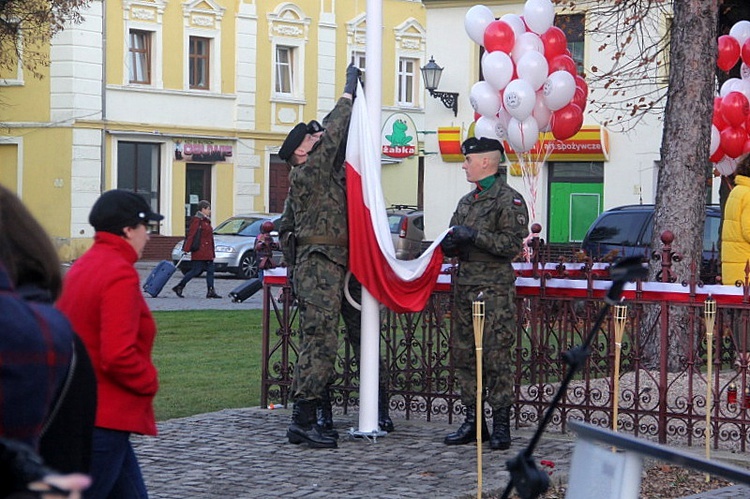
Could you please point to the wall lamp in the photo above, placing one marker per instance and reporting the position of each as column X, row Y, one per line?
column 431, row 73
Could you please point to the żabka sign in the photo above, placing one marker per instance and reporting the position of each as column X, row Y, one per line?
column 591, row 143
column 399, row 136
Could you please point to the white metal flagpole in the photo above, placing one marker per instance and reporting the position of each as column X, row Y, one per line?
column 370, row 343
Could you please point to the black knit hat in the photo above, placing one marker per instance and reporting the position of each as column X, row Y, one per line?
column 292, row 141
column 472, row 145
column 117, row 209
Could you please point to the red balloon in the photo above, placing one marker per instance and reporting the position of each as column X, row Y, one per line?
column 563, row 62
column 499, row 36
column 745, row 53
column 555, row 42
column 746, row 147
column 579, row 98
column 735, row 108
column 566, row 122
column 733, row 141
column 581, row 83
column 717, row 155
column 729, row 52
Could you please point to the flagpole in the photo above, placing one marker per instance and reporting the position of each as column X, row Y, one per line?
column 370, row 342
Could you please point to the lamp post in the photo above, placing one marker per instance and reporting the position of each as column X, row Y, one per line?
column 431, row 73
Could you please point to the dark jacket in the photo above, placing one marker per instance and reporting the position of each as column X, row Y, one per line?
column 206, row 250
column 36, row 344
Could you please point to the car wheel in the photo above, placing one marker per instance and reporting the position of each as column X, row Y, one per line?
column 248, row 267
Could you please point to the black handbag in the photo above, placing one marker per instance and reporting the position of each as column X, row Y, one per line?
column 195, row 245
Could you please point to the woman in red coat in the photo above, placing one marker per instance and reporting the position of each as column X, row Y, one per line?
column 103, row 300
column 202, row 252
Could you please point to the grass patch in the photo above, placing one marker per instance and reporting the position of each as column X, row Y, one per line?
column 208, row 360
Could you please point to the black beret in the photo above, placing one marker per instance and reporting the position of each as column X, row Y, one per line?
column 473, row 145
column 314, row 127
column 292, row 141
column 116, row 209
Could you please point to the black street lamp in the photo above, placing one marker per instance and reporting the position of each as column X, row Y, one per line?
column 431, row 73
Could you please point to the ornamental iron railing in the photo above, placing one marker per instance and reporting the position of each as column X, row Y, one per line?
column 662, row 395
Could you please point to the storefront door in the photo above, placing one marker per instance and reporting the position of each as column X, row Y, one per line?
column 197, row 187
column 575, row 200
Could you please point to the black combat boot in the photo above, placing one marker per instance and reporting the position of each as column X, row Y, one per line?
column 178, row 290
column 384, row 419
column 212, row 293
column 500, row 439
column 325, row 416
column 304, row 429
column 467, row 432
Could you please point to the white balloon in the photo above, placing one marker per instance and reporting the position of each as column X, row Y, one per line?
column 743, row 87
column 523, row 135
column 559, row 89
column 525, row 43
column 740, row 31
column 726, row 166
column 539, row 15
column 533, row 67
column 515, row 22
column 542, row 113
column 745, row 71
column 519, row 99
column 490, row 128
column 715, row 139
column 484, row 99
column 729, row 86
column 497, row 69
column 476, row 21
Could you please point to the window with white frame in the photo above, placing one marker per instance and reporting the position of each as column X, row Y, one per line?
column 358, row 59
column 200, row 63
column 284, row 70
column 407, row 81
column 140, row 56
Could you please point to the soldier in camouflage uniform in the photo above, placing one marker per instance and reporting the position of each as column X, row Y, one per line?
column 315, row 217
column 489, row 226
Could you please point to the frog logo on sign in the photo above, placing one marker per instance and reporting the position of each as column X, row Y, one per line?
column 399, row 136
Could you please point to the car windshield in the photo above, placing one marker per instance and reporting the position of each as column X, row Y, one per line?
column 240, row 226
column 394, row 221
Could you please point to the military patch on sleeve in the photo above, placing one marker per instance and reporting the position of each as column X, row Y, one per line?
column 517, row 201
column 521, row 219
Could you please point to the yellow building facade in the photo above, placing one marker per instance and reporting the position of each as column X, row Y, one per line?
column 187, row 100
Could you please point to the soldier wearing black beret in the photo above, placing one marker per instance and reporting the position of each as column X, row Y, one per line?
column 488, row 229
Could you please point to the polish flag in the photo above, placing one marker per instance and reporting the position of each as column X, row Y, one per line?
column 400, row 285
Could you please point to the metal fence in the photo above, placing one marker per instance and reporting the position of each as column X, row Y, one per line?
column 659, row 397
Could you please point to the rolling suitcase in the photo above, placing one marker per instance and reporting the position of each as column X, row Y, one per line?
column 246, row 290
column 159, row 276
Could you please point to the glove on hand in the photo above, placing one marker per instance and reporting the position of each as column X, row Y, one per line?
column 352, row 77
column 449, row 246
column 463, row 234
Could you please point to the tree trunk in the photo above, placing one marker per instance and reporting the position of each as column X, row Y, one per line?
column 681, row 182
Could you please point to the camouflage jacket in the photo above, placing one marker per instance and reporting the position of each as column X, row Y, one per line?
column 315, row 209
column 501, row 219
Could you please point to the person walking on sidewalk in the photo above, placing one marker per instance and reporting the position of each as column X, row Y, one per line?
column 200, row 244
column 488, row 229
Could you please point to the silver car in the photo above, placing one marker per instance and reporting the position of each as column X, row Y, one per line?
column 234, row 242
column 407, row 230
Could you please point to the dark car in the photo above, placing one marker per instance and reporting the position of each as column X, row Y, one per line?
column 627, row 231
column 407, row 230
column 234, row 241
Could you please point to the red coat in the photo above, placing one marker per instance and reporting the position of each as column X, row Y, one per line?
column 103, row 300
column 206, row 251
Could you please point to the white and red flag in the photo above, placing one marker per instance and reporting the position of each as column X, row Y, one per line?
column 400, row 285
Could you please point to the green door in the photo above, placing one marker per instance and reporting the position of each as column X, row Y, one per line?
column 573, row 208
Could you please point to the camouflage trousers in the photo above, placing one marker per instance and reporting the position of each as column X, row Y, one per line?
column 318, row 285
column 498, row 338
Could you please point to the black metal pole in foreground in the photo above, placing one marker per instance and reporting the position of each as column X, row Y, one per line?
column 528, row 480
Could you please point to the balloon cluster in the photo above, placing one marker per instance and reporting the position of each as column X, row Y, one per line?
column 530, row 84
column 731, row 119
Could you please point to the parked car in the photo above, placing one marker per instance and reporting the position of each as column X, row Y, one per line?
column 234, row 240
column 627, row 230
column 407, row 230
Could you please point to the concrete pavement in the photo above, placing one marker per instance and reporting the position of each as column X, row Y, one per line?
column 243, row 453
